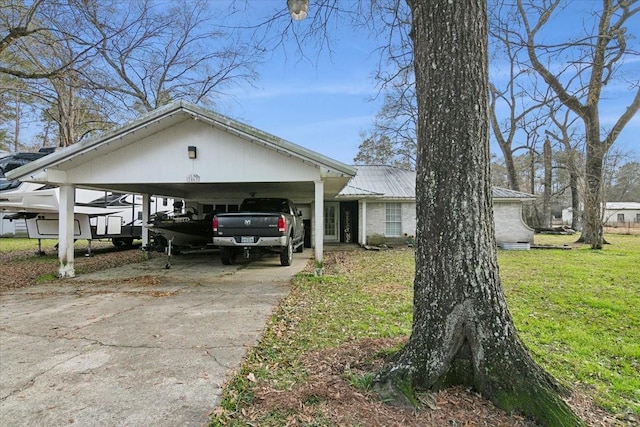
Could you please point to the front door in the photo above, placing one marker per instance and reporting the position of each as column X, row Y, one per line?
column 349, row 222
column 331, row 218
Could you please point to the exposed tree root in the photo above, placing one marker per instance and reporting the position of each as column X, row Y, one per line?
column 521, row 387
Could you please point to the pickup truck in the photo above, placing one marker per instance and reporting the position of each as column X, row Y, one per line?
column 262, row 224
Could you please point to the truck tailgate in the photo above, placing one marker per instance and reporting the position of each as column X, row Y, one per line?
column 248, row 224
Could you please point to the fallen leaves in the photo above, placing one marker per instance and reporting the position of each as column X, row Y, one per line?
column 22, row 268
column 328, row 395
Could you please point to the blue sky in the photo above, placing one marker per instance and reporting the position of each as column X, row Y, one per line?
column 323, row 108
column 324, row 103
column 320, row 103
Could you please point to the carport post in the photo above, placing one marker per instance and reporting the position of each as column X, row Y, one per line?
column 362, row 226
column 319, row 220
column 65, row 231
column 146, row 208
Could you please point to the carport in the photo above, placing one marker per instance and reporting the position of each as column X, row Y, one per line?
column 186, row 152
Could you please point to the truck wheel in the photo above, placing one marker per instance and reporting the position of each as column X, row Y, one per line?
column 300, row 248
column 227, row 256
column 286, row 255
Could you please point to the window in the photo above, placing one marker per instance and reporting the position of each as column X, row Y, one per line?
column 621, row 217
column 638, row 217
column 331, row 221
column 393, row 220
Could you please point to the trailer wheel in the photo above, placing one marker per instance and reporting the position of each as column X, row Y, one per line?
column 122, row 242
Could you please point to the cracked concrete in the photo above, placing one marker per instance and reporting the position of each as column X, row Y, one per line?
column 135, row 345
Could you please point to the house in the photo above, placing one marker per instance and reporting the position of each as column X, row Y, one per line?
column 616, row 214
column 11, row 227
column 379, row 204
column 183, row 151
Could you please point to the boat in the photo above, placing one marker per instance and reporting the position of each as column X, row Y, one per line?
column 183, row 230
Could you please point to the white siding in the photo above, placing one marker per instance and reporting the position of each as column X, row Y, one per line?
column 611, row 216
column 221, row 157
column 510, row 226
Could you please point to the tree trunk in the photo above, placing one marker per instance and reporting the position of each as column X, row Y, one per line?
column 511, row 170
column 593, row 232
column 573, row 184
column 548, row 176
column 16, row 132
column 462, row 330
column 575, row 200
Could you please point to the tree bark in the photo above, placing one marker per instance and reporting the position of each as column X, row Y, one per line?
column 548, row 176
column 575, row 200
column 462, row 331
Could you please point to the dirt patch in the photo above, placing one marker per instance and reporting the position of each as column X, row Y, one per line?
column 632, row 228
column 22, row 268
column 329, row 394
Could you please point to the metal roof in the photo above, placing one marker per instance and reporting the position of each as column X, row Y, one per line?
column 389, row 182
column 505, row 193
column 622, row 205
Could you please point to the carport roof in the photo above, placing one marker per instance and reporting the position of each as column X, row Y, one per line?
column 169, row 115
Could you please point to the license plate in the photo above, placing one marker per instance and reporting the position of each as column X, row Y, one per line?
column 246, row 239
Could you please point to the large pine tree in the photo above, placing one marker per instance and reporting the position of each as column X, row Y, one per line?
column 462, row 330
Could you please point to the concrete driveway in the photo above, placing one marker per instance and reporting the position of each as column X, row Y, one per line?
column 138, row 345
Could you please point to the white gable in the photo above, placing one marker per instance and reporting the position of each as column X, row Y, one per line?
column 163, row 157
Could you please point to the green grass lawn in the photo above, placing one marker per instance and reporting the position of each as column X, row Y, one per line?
column 11, row 244
column 577, row 311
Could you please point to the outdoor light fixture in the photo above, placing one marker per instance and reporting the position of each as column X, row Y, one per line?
column 193, row 152
column 298, row 9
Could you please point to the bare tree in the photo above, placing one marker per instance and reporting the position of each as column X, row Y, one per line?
column 36, row 27
column 620, row 177
column 395, row 123
column 548, row 177
column 155, row 53
column 594, row 59
column 512, row 90
column 462, row 331
column 31, row 36
column 87, row 61
column 624, row 185
column 570, row 159
column 394, row 132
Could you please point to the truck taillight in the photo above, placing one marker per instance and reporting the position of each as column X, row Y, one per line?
column 214, row 224
column 282, row 224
